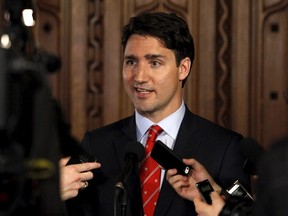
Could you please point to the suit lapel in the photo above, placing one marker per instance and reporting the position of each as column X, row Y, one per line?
column 185, row 146
column 128, row 128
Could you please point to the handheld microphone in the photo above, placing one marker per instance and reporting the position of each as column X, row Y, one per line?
column 134, row 153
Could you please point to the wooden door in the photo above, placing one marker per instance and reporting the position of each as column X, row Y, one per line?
column 269, row 71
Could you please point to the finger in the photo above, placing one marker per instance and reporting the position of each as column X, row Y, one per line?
column 69, row 194
column 63, row 161
column 170, row 173
column 200, row 205
column 178, row 181
column 174, row 178
column 180, row 185
column 85, row 176
column 85, row 185
column 194, row 163
column 84, row 167
column 197, row 199
column 216, row 197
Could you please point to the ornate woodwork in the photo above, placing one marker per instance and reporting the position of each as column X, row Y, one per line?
column 269, row 77
column 238, row 78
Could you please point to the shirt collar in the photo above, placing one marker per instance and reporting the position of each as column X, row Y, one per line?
column 170, row 124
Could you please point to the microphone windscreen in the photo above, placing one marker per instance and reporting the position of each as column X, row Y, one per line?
column 136, row 149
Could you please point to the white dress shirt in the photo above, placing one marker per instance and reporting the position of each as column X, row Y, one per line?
column 170, row 126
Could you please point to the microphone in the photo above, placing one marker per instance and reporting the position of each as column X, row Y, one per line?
column 134, row 153
column 51, row 62
column 253, row 151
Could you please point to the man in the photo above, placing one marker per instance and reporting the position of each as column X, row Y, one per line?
column 158, row 56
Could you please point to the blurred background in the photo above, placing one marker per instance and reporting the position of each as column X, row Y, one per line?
column 239, row 77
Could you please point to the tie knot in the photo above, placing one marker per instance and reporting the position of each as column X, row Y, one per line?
column 156, row 129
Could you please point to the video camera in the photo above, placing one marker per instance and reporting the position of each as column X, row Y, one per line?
column 30, row 134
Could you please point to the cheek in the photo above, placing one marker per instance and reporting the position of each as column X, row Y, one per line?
column 126, row 76
column 127, row 80
column 126, row 84
column 168, row 83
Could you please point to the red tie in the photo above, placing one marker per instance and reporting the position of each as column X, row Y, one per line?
column 150, row 174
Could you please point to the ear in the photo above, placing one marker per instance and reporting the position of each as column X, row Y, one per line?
column 184, row 68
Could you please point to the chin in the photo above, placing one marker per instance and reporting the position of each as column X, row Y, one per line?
column 144, row 110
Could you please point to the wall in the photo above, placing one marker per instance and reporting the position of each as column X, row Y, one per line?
column 239, row 77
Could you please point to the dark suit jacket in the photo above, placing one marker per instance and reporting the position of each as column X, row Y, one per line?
column 215, row 147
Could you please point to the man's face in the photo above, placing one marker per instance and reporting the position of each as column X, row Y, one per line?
column 151, row 78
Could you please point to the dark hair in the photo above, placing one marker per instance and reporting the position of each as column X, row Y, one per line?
column 171, row 29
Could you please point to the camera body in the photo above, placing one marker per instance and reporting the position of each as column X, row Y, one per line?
column 237, row 189
column 238, row 201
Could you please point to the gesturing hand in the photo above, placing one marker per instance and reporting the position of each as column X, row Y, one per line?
column 74, row 177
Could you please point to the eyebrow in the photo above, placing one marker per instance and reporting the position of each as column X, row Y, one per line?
column 148, row 56
column 130, row 57
column 153, row 56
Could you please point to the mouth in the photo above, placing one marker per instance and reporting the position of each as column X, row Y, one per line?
column 142, row 93
column 142, row 90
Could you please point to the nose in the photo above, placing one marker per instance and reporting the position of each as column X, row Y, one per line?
column 141, row 73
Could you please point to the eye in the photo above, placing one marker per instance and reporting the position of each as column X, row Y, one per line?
column 130, row 62
column 155, row 63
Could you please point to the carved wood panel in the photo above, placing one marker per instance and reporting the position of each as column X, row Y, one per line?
column 238, row 77
column 269, row 116
column 91, row 83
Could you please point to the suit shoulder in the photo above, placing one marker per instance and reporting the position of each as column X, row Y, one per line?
column 215, row 129
column 112, row 127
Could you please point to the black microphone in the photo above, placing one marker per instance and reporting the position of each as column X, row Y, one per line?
column 134, row 154
column 253, row 151
column 51, row 62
